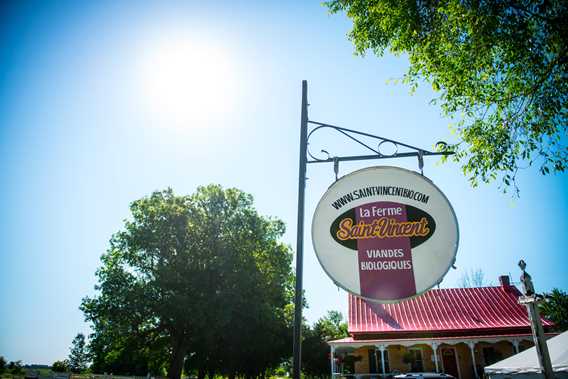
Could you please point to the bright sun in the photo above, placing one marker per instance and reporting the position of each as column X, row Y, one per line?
column 187, row 82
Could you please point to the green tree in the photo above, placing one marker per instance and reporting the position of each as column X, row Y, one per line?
column 201, row 275
column 2, row 364
column 78, row 356
column 555, row 308
column 60, row 366
column 315, row 350
column 16, row 368
column 500, row 68
column 113, row 352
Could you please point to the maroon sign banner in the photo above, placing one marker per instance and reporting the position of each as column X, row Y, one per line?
column 385, row 233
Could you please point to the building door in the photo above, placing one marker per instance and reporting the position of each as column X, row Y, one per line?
column 372, row 361
column 450, row 362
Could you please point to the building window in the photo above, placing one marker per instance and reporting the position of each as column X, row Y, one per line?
column 416, row 364
column 380, row 362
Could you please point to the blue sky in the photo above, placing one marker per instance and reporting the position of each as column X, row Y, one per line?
column 91, row 119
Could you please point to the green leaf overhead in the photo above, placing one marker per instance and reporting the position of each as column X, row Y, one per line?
column 499, row 67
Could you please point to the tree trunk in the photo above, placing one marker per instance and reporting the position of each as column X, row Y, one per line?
column 178, row 356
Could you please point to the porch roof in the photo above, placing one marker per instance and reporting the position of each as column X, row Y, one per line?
column 464, row 310
column 350, row 341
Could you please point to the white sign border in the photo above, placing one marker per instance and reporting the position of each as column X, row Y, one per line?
column 456, row 246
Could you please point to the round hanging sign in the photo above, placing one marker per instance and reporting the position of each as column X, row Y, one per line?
column 385, row 233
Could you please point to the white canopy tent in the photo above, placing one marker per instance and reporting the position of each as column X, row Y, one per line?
column 525, row 364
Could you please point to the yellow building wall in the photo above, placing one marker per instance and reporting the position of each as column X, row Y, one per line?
column 465, row 364
column 504, row 348
column 362, row 366
column 395, row 358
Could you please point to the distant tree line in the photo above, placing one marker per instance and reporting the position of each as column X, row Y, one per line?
column 12, row 367
column 315, row 356
column 473, row 278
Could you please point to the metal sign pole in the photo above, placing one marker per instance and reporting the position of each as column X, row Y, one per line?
column 540, row 340
column 297, row 350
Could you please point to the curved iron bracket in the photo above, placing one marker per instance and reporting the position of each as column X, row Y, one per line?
column 410, row 151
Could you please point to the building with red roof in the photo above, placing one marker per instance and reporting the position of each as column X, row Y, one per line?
column 457, row 331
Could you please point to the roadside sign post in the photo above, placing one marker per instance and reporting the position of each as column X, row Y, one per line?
column 414, row 222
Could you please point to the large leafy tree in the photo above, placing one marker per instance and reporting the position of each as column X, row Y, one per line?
column 315, row 349
column 555, row 308
column 192, row 275
column 500, row 67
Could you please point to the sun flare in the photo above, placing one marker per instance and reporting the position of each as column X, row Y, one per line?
column 187, row 81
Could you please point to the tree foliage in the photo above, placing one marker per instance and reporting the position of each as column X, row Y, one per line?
column 2, row 364
column 473, row 278
column 60, row 366
column 315, row 350
column 78, row 357
column 500, row 68
column 555, row 308
column 15, row 368
column 113, row 352
column 201, row 276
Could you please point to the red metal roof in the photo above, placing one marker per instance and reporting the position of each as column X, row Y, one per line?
column 450, row 310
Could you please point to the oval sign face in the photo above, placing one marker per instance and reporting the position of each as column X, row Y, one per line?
column 385, row 233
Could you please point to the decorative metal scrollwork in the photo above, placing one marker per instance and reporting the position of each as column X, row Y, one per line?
column 376, row 153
